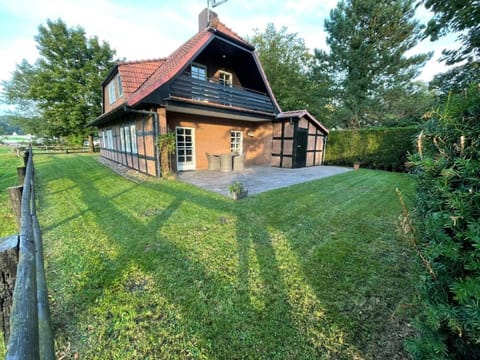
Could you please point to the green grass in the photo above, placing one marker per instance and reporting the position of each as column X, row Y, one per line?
column 8, row 177
column 164, row 270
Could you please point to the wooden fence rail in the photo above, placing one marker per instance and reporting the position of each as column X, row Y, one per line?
column 30, row 330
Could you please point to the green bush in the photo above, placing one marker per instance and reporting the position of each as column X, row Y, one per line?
column 447, row 224
column 385, row 149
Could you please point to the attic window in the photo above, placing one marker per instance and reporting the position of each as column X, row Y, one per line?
column 225, row 78
column 119, row 85
column 111, row 92
column 199, row 72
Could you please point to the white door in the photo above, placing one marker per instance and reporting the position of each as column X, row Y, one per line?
column 185, row 148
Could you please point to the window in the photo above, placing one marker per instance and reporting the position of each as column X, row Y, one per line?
column 236, row 142
column 128, row 139
column 133, row 136
column 122, row 140
column 128, row 144
column 119, row 86
column 111, row 92
column 225, row 78
column 109, row 139
column 199, row 72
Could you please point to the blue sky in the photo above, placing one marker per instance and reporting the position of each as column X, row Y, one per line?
column 145, row 29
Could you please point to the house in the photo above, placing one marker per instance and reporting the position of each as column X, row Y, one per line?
column 213, row 94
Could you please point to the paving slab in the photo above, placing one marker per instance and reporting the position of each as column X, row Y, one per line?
column 257, row 179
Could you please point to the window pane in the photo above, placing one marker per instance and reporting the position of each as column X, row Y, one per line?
column 133, row 134
column 119, row 84
column 236, row 141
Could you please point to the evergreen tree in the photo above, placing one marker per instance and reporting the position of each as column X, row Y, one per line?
column 62, row 88
column 368, row 41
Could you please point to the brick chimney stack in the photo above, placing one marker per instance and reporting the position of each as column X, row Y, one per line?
column 203, row 19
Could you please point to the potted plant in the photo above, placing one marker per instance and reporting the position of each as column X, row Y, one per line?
column 237, row 190
column 356, row 165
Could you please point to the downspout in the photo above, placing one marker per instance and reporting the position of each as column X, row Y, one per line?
column 155, row 134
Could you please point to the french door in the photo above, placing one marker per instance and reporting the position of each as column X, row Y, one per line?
column 185, row 148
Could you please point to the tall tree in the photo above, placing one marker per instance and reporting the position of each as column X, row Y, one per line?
column 63, row 85
column 368, row 42
column 288, row 65
column 462, row 17
column 456, row 16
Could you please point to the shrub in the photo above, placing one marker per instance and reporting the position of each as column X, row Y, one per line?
column 448, row 231
column 385, row 149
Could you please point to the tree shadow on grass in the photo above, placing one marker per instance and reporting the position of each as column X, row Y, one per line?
column 139, row 276
column 359, row 276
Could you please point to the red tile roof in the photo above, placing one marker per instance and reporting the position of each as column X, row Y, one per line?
column 221, row 27
column 172, row 65
column 134, row 73
column 142, row 78
column 302, row 113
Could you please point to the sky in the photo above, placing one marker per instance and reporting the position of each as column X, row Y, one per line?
column 150, row 29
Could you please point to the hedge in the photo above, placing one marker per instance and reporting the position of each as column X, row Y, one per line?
column 385, row 149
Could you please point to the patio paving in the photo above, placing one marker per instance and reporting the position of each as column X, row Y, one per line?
column 257, row 179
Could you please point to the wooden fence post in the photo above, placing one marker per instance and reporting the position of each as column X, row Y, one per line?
column 8, row 273
column 15, row 195
column 21, row 170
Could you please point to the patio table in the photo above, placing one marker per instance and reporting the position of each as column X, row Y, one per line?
column 226, row 162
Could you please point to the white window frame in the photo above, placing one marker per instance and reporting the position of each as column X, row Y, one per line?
column 133, row 137
column 109, row 136
column 183, row 166
column 111, row 92
column 119, row 86
column 236, row 141
column 196, row 73
column 122, row 140
column 128, row 142
column 225, row 78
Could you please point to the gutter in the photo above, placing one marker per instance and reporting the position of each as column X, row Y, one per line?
column 155, row 134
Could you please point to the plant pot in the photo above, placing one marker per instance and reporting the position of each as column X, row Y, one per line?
column 239, row 195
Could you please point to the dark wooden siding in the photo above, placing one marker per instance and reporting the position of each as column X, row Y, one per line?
column 284, row 142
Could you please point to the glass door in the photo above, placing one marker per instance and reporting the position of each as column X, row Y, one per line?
column 185, row 149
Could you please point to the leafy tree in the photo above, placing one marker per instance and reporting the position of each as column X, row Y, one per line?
column 456, row 79
column 7, row 126
column 62, row 88
column 456, row 16
column 404, row 106
column 288, row 65
column 368, row 41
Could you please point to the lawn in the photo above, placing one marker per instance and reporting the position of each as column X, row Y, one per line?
column 8, row 177
column 164, row 270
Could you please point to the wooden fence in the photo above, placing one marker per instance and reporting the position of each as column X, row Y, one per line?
column 29, row 334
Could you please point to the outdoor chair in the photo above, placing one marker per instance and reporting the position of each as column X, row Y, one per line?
column 213, row 162
column 238, row 162
column 226, row 161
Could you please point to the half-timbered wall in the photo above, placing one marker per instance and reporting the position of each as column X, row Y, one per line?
column 131, row 143
column 284, row 142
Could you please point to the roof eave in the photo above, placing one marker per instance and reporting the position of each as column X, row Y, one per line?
column 108, row 116
column 301, row 113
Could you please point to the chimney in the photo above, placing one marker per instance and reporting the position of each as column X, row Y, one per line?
column 203, row 22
